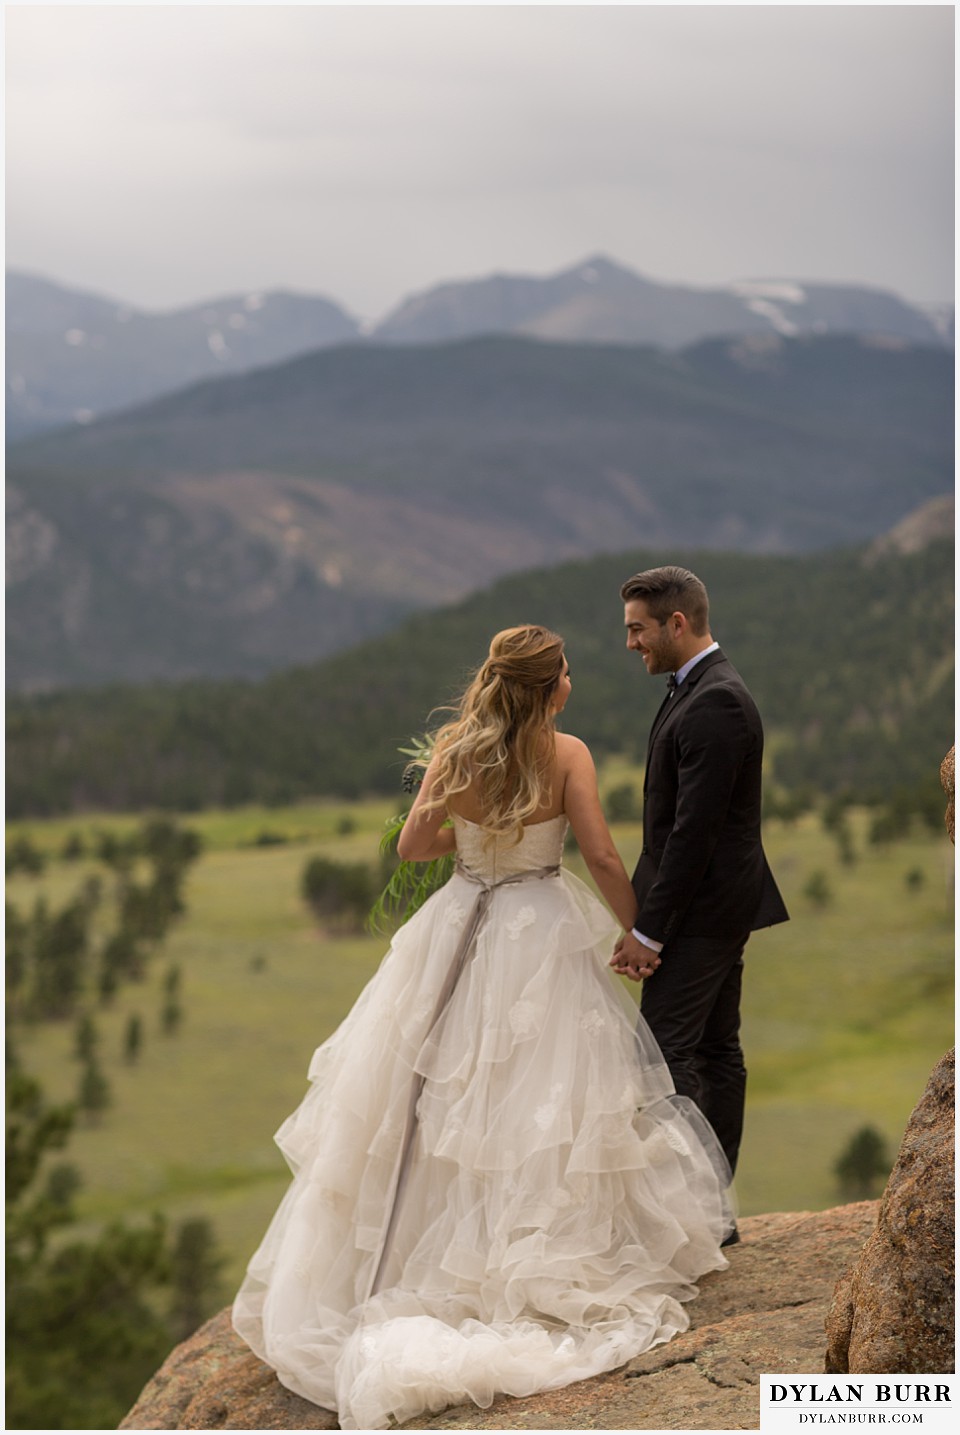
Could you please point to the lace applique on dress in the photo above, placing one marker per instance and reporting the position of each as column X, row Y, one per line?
column 675, row 1140
column 524, row 918
column 546, row 1114
column 522, row 1017
column 456, row 916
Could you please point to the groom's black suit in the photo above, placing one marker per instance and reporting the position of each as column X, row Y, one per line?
column 703, row 883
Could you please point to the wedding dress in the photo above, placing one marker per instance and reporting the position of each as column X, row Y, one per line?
column 495, row 1188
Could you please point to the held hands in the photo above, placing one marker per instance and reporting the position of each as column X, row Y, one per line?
column 634, row 960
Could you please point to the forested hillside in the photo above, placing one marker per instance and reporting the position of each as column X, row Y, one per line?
column 849, row 654
column 241, row 526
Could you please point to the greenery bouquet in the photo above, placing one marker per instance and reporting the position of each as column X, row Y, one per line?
column 410, row 883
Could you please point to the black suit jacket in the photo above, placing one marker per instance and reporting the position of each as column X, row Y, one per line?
column 702, row 871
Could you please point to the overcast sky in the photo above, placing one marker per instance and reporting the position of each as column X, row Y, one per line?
column 167, row 154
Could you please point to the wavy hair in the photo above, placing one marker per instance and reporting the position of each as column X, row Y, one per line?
column 501, row 741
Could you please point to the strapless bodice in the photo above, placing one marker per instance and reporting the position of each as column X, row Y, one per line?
column 540, row 846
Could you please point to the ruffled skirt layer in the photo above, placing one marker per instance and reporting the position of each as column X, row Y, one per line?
column 559, row 1201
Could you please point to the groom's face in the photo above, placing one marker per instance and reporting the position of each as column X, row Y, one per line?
column 649, row 638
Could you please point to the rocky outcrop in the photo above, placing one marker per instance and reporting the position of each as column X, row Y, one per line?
column 765, row 1313
column 948, row 783
column 922, row 526
column 894, row 1311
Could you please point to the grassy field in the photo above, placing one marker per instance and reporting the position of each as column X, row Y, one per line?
column 846, row 1010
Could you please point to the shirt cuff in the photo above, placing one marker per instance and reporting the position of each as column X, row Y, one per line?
column 647, row 941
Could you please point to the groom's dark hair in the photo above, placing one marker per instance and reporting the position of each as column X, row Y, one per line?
column 671, row 590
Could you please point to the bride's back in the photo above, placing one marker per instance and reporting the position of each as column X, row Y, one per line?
column 493, row 858
column 469, row 803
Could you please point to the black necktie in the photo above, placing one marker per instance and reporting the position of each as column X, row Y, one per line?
column 671, row 684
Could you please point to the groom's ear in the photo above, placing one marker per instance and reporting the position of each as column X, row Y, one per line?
column 679, row 624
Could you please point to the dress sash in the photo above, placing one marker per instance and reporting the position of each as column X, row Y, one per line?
column 465, row 950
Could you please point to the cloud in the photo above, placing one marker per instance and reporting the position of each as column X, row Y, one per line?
column 364, row 151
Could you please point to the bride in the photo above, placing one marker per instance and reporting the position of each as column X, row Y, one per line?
column 495, row 1188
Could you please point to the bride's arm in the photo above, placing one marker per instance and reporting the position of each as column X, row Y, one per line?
column 581, row 803
column 423, row 836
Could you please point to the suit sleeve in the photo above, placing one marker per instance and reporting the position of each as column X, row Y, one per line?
column 712, row 741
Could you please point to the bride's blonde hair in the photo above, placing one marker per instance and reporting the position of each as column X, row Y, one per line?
column 502, row 740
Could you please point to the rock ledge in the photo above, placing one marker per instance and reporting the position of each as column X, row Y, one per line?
column 765, row 1314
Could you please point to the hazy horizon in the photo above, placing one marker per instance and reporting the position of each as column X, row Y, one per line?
column 441, row 280
column 166, row 155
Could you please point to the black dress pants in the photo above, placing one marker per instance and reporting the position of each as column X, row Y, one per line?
column 692, row 1006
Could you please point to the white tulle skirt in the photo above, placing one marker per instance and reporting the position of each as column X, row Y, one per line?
column 559, row 1201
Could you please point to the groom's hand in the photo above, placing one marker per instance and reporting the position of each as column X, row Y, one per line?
column 633, row 959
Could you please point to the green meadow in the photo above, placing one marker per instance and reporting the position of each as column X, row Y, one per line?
column 846, row 1010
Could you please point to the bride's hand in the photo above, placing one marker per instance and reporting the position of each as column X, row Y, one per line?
column 633, row 959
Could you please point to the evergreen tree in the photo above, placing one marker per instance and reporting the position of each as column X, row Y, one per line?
column 58, row 959
column 195, row 1267
column 846, row 850
column 337, row 892
column 107, row 981
column 73, row 848
column 171, row 1016
column 122, row 956
column 33, row 1128
column 621, row 804
column 86, row 1039
column 145, row 913
column 818, row 889
column 83, row 1335
column 17, row 938
column 23, row 856
column 133, row 1038
column 117, row 852
column 93, row 1093
column 63, row 1182
column 862, row 1165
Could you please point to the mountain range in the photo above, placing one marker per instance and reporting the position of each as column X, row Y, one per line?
column 273, row 517
column 73, row 356
column 600, row 301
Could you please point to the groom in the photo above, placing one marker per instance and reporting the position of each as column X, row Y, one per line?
column 702, row 881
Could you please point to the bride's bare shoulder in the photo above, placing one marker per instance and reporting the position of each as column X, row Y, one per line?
column 571, row 750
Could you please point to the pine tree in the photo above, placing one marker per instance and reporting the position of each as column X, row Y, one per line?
column 195, row 1267
column 86, row 1039
column 93, row 1093
column 122, row 956
column 16, row 955
column 133, row 1038
column 58, row 951
column 818, row 889
column 73, row 848
column 171, row 1016
column 83, row 1333
column 862, row 1165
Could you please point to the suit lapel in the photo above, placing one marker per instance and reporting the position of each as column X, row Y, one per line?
column 671, row 702
column 658, row 719
column 670, row 705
